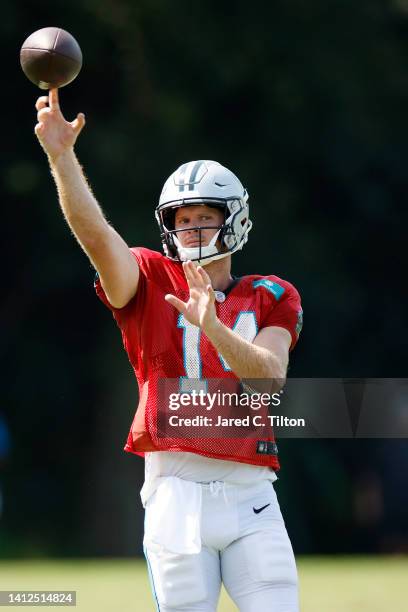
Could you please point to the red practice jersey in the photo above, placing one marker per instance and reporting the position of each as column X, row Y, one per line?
column 167, row 353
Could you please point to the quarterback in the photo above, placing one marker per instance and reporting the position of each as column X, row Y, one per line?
column 211, row 511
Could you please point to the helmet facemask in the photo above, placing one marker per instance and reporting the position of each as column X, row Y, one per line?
column 202, row 255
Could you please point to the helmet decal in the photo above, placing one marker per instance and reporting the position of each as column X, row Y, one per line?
column 190, row 173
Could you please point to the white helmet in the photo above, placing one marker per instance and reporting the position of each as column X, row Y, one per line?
column 204, row 182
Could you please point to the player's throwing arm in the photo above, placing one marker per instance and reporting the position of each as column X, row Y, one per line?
column 107, row 251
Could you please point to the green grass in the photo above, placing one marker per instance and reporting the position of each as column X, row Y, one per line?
column 328, row 584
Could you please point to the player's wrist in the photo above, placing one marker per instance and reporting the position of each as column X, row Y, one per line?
column 212, row 328
column 61, row 160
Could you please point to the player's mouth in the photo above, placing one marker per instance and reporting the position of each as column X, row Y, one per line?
column 194, row 243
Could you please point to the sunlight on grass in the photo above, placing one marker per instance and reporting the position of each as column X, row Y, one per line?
column 328, row 584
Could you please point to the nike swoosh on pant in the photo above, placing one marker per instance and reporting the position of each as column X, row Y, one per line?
column 258, row 510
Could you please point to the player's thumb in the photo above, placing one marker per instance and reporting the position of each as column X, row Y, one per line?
column 78, row 123
column 174, row 301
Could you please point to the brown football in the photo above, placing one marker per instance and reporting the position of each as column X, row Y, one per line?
column 51, row 57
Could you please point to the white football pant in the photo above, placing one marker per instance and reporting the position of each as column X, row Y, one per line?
column 245, row 546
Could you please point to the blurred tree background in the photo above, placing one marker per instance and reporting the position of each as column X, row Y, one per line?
column 306, row 102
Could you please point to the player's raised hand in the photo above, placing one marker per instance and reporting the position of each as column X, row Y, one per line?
column 200, row 308
column 54, row 132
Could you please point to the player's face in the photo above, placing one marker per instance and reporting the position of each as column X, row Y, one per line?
column 197, row 216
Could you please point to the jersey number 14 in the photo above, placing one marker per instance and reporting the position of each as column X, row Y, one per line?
column 245, row 326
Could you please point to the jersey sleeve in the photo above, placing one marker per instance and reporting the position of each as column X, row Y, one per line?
column 121, row 315
column 287, row 313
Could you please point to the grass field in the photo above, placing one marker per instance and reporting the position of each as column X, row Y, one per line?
column 328, row 584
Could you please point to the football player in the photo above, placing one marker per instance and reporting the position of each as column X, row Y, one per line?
column 212, row 514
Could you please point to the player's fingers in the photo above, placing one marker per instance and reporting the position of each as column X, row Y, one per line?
column 78, row 123
column 196, row 280
column 204, row 275
column 211, row 292
column 38, row 129
column 187, row 265
column 41, row 102
column 194, row 272
column 42, row 113
column 53, row 99
column 195, row 294
column 174, row 301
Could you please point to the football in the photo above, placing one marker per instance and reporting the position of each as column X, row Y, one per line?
column 51, row 57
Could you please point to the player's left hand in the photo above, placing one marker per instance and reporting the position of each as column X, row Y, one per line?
column 55, row 133
column 200, row 308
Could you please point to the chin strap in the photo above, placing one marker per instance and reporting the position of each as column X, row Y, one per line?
column 208, row 253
